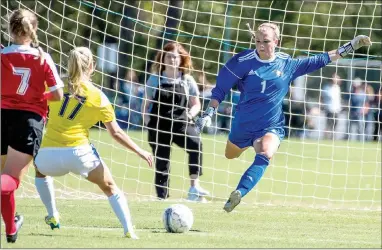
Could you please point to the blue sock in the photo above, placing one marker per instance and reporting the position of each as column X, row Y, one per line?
column 253, row 174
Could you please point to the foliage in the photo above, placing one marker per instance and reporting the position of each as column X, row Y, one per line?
column 206, row 28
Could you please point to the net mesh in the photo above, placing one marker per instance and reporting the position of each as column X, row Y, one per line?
column 321, row 163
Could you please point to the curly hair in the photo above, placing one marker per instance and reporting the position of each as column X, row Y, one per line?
column 185, row 62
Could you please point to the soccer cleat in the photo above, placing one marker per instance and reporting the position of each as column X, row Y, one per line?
column 19, row 220
column 131, row 236
column 197, row 193
column 53, row 222
column 233, row 201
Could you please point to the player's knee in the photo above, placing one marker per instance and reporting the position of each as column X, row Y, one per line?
column 108, row 187
column 268, row 150
column 38, row 174
column 230, row 155
column 267, row 153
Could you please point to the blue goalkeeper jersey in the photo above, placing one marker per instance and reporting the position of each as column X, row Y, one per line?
column 263, row 85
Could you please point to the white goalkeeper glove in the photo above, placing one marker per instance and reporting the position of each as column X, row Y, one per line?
column 356, row 43
column 205, row 119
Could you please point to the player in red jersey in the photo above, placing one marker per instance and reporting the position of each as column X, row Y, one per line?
column 26, row 71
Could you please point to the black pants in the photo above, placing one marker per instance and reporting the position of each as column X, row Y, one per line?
column 160, row 140
column 21, row 130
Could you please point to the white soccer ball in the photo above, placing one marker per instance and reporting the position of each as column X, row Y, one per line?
column 178, row 218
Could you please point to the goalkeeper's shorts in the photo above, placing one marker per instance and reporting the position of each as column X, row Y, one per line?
column 243, row 139
column 80, row 160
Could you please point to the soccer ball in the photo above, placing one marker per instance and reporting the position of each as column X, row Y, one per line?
column 178, row 218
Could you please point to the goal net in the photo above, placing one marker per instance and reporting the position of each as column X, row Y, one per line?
column 323, row 162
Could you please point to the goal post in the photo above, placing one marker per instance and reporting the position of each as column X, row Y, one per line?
column 319, row 164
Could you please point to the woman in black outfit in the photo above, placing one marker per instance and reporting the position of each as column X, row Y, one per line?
column 171, row 102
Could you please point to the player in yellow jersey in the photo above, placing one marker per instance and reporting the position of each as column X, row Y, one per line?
column 66, row 147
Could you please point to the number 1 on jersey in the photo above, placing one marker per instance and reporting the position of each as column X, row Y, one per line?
column 76, row 108
column 263, row 85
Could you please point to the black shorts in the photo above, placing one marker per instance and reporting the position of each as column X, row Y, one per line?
column 21, row 130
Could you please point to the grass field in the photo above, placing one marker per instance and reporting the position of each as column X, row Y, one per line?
column 315, row 194
column 91, row 224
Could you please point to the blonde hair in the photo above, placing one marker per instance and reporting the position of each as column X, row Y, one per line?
column 24, row 23
column 79, row 62
column 263, row 26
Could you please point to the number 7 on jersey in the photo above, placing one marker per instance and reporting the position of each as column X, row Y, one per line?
column 24, row 84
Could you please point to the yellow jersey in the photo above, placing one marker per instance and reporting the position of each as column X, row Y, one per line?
column 70, row 120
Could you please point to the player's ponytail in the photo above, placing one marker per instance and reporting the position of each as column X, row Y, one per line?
column 35, row 44
column 79, row 68
column 23, row 23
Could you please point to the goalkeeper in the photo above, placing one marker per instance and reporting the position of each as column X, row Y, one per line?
column 263, row 78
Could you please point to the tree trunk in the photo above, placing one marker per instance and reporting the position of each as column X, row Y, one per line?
column 168, row 34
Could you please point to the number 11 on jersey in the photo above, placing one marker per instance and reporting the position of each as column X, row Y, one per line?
column 81, row 100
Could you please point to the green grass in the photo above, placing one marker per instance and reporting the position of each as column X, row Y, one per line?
column 91, row 224
column 315, row 194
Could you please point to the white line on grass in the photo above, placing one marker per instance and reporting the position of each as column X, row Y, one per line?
column 224, row 234
column 138, row 230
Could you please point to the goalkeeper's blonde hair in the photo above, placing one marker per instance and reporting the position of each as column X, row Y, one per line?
column 79, row 68
column 263, row 26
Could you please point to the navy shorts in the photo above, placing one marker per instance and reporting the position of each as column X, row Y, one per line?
column 243, row 138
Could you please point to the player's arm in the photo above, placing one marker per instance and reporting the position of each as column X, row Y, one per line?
column 107, row 116
column 233, row 71
column 227, row 78
column 122, row 138
column 313, row 63
column 309, row 64
column 53, row 80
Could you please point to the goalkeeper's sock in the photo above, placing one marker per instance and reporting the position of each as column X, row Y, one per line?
column 45, row 189
column 253, row 174
column 121, row 209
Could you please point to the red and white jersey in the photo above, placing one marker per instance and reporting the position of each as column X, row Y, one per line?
column 24, row 79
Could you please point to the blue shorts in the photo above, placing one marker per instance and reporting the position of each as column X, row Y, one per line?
column 243, row 138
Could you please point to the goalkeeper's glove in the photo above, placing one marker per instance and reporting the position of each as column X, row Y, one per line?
column 356, row 43
column 205, row 119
